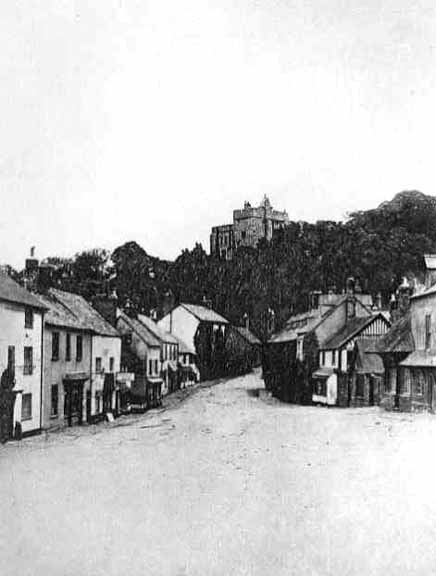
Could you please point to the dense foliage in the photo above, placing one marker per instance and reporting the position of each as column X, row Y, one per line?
column 272, row 281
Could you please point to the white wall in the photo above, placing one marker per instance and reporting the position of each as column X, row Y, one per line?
column 181, row 323
column 13, row 333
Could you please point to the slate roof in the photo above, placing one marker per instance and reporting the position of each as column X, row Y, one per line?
column 428, row 292
column 84, row 312
column 204, row 314
column 399, row 338
column 58, row 315
column 141, row 330
column 368, row 362
column 248, row 335
column 347, row 332
column 157, row 331
column 13, row 292
column 289, row 333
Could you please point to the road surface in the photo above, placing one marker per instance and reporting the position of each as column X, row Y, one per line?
column 224, row 483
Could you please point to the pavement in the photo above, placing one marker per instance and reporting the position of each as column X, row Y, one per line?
column 224, row 482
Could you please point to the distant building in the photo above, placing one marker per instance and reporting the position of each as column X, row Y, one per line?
column 203, row 331
column 250, row 224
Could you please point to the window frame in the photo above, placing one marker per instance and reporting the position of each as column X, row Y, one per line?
column 68, row 347
column 28, row 415
column 29, row 318
column 55, row 338
column 79, row 357
column 28, row 366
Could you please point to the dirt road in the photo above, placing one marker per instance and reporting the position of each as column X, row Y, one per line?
column 224, row 484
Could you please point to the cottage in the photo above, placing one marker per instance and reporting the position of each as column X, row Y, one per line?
column 21, row 343
column 169, row 354
column 67, row 366
column 337, row 381
column 204, row 331
column 301, row 361
column 189, row 373
column 105, row 356
column 141, row 354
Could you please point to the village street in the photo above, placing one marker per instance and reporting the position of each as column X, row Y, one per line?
column 224, row 483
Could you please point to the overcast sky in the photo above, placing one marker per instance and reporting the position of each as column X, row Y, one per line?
column 152, row 120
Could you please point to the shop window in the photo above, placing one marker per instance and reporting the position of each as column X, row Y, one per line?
column 360, row 386
column 321, row 387
column 419, row 381
column 26, row 407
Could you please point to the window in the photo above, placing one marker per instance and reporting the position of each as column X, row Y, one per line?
column 334, row 358
column 405, row 381
column 391, row 380
column 323, row 358
column 243, row 234
column 68, row 347
column 98, row 365
column 111, row 364
column 28, row 360
column 79, row 348
column 428, row 331
column 98, row 402
column 419, row 381
column 320, row 387
column 11, row 361
column 55, row 346
column 26, row 407
column 54, row 400
column 28, row 318
column 150, row 367
column 360, row 386
column 156, row 366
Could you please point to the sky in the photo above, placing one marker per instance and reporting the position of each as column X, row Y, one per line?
column 151, row 120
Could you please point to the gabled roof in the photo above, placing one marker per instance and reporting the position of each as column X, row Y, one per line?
column 368, row 362
column 84, row 312
column 13, row 292
column 157, row 331
column 204, row 314
column 248, row 335
column 309, row 321
column 184, row 348
column 399, row 338
column 58, row 315
column 141, row 330
column 427, row 292
column 350, row 330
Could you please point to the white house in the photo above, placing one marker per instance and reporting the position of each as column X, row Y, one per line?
column 21, row 342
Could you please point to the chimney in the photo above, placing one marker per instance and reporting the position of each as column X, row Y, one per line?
column 31, row 271
column 207, row 303
column 378, row 301
column 351, row 301
column 405, row 291
column 350, row 286
column 246, row 320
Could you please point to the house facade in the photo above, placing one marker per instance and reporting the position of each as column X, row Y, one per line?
column 203, row 330
column 141, row 355
column 21, row 360
column 189, row 373
column 169, row 354
column 301, row 362
column 102, row 395
column 348, row 374
column 67, row 367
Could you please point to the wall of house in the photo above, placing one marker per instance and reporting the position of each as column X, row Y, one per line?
column 420, row 308
column 182, row 324
column 55, row 371
column 14, row 333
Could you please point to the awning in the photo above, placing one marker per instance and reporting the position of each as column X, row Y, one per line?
column 323, row 373
column 420, row 359
column 76, row 377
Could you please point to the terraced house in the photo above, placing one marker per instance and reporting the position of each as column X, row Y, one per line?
column 21, row 342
